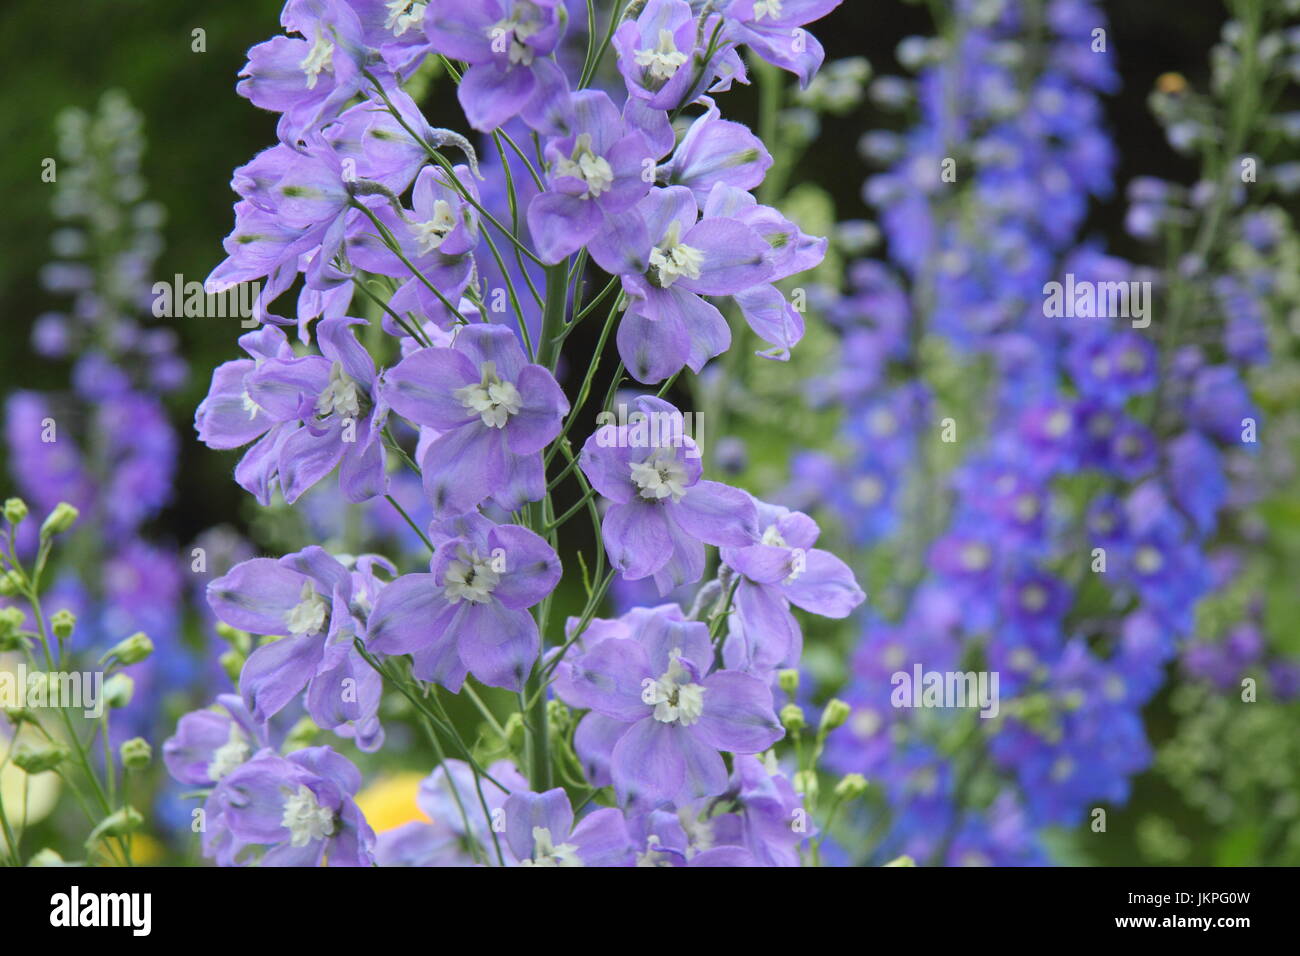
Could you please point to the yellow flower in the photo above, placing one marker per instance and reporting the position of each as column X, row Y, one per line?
column 389, row 802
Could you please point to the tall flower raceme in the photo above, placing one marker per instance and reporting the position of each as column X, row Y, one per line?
column 1071, row 545
column 435, row 302
column 100, row 455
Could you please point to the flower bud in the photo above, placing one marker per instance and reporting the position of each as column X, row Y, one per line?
column 835, row 714
column 136, row 753
column 851, row 787
column 11, row 582
column 116, row 824
column 11, row 620
column 63, row 517
column 15, row 510
column 805, row 782
column 792, row 718
column 132, row 650
column 40, row 758
column 789, row 681
column 558, row 715
column 62, row 622
column 515, row 732
column 19, row 715
column 118, row 691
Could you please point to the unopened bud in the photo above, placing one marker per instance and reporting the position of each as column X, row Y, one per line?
column 41, row 757
column 11, row 622
column 805, row 782
column 11, row 582
column 789, row 681
column 835, row 714
column 15, row 510
column 116, row 824
column 132, row 650
column 136, row 753
column 792, row 718
column 515, row 732
column 118, row 691
column 63, row 517
column 851, row 787
column 62, row 623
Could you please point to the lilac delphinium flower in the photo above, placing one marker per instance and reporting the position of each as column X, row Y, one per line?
column 209, row 744
column 495, row 412
column 339, row 420
column 773, row 30
column 305, row 596
column 596, row 171
column 677, row 712
column 656, row 53
column 668, row 259
column 229, row 418
column 298, row 810
column 507, row 44
column 469, row 614
column 540, row 831
column 778, row 568
column 661, row 513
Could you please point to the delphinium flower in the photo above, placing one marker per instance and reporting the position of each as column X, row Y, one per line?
column 104, row 442
column 440, row 297
column 1012, row 572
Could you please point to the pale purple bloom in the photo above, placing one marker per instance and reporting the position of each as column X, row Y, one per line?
column 298, row 810
column 596, row 171
column 507, row 44
column 656, row 53
column 677, row 712
column 716, row 151
column 228, row 418
column 677, row 839
column 668, row 260
column 778, row 568
column 773, row 30
column 306, row 596
column 540, row 832
column 661, row 513
column 339, row 420
column 209, row 744
column 469, row 614
column 495, row 412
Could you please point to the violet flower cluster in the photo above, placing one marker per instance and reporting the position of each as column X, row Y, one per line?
column 439, row 274
column 1058, row 490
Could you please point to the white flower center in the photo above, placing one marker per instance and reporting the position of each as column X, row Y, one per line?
column 659, row 476
column 472, row 578
column 305, row 819
column 250, row 406
column 341, row 396
column 664, row 60
column 547, row 853
column 767, row 8
column 672, row 259
column 319, row 57
column 229, row 755
column 772, row 537
column 510, row 35
column 493, row 400
column 653, row 856
column 1148, row 560
column 402, row 15
column 309, row 614
column 975, row 557
column 593, row 170
column 675, row 699
column 430, row 234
